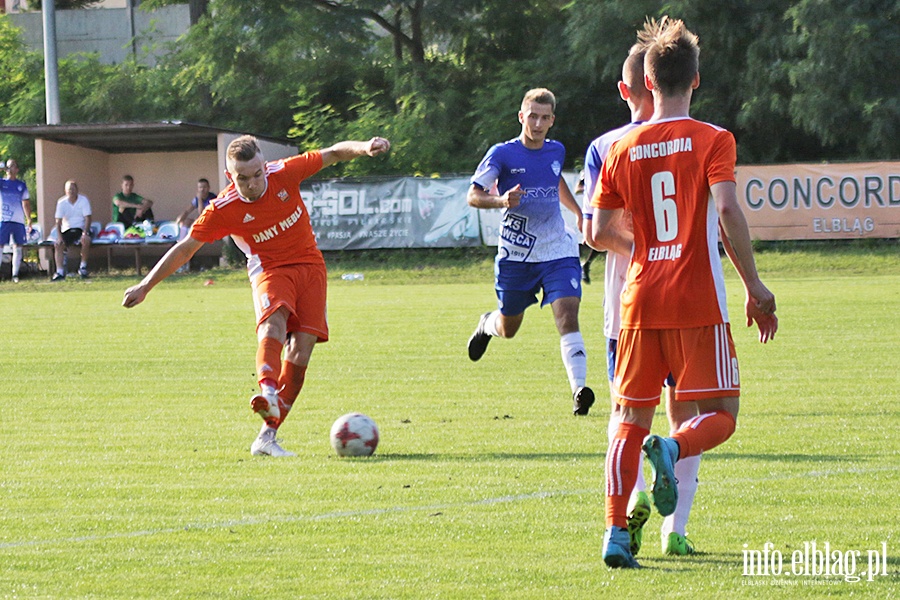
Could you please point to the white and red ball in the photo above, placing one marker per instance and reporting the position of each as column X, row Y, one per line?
column 354, row 434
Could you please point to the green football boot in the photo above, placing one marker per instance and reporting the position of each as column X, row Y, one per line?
column 677, row 545
column 637, row 517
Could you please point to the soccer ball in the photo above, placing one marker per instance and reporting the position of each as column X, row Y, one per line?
column 354, row 434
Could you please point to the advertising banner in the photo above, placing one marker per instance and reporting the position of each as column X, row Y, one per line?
column 404, row 212
column 827, row 201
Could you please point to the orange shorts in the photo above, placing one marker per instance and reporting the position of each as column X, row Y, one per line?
column 302, row 289
column 701, row 360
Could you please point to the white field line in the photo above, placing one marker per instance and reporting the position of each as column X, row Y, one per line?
column 291, row 519
column 397, row 509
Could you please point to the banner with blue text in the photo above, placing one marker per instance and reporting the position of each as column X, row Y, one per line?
column 406, row 212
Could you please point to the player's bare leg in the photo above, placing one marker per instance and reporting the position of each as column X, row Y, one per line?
column 573, row 352
column 271, row 334
column 492, row 324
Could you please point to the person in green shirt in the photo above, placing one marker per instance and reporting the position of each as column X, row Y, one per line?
column 129, row 207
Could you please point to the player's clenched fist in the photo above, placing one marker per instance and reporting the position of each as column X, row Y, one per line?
column 134, row 296
column 378, row 145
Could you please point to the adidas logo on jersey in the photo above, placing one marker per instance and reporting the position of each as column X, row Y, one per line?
column 248, row 217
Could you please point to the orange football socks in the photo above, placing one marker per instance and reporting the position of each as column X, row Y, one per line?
column 268, row 359
column 289, row 386
column 623, row 461
column 704, row 432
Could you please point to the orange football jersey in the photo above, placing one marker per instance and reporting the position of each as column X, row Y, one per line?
column 273, row 230
column 662, row 173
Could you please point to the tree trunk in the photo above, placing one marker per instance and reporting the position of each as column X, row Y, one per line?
column 415, row 26
column 197, row 9
column 398, row 44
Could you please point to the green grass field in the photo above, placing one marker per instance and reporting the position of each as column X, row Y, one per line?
column 125, row 434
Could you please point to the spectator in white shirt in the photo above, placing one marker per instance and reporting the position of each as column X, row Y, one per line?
column 73, row 224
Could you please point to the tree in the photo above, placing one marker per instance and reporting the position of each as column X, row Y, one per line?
column 414, row 26
column 844, row 79
column 793, row 79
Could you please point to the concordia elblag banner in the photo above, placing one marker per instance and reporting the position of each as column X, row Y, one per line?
column 823, row 201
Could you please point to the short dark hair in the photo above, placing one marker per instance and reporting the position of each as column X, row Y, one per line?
column 242, row 149
column 673, row 55
column 633, row 71
column 541, row 96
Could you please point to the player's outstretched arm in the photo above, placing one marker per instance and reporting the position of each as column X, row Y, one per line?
column 177, row 255
column 349, row 150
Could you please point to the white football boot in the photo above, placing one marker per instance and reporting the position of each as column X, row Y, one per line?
column 265, row 444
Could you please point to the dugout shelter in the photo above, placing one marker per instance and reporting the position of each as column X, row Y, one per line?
column 166, row 159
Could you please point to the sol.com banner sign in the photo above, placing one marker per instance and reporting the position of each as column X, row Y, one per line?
column 405, row 212
column 828, row 201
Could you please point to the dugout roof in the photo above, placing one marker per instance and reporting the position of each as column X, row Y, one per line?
column 121, row 138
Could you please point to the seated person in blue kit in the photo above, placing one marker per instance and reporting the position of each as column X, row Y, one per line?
column 198, row 203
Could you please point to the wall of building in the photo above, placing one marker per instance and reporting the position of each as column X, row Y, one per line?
column 107, row 32
column 15, row 6
column 57, row 163
column 169, row 179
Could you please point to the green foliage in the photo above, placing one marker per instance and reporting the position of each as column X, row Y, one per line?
column 425, row 124
column 796, row 80
column 811, row 71
column 851, row 45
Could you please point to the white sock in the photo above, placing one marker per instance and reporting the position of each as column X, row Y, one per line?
column 83, row 265
column 574, row 357
column 267, row 432
column 639, row 484
column 60, row 271
column 490, row 324
column 16, row 260
column 686, row 471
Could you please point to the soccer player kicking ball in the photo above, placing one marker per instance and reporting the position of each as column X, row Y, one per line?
column 535, row 252
column 675, row 176
column 261, row 209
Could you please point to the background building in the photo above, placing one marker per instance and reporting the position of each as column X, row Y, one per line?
column 113, row 30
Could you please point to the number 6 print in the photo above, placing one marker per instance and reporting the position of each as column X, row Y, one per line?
column 664, row 209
